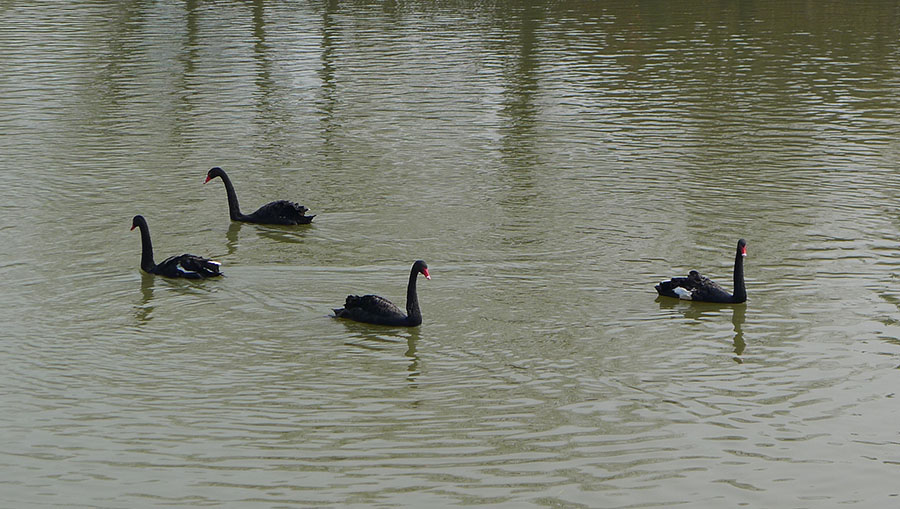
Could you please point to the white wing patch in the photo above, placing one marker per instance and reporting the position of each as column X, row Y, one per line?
column 682, row 293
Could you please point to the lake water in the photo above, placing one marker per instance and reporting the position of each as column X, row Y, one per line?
column 550, row 163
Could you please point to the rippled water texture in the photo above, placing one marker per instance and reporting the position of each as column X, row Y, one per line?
column 550, row 163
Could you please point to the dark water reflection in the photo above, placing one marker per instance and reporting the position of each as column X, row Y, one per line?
column 144, row 309
column 550, row 162
column 701, row 311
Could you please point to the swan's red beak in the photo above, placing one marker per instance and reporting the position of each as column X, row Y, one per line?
column 426, row 274
column 744, row 251
column 208, row 178
column 132, row 228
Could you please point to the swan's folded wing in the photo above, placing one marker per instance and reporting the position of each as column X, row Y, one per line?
column 711, row 291
column 372, row 304
column 189, row 266
column 693, row 287
column 282, row 212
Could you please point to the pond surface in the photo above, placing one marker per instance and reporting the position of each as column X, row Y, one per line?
column 551, row 164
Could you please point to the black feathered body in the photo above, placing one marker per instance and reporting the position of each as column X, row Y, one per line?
column 694, row 287
column 380, row 311
column 279, row 212
column 373, row 309
column 183, row 266
column 699, row 288
column 187, row 266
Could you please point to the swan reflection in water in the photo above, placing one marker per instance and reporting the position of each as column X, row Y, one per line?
column 231, row 237
column 144, row 310
column 277, row 233
column 382, row 339
column 151, row 284
column 697, row 310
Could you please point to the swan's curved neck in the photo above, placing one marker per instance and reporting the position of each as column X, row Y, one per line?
column 414, row 315
column 740, row 292
column 147, row 262
column 234, row 210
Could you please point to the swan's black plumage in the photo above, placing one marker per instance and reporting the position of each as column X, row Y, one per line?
column 277, row 212
column 184, row 266
column 699, row 288
column 380, row 311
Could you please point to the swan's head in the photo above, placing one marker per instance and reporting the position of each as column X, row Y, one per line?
column 422, row 268
column 137, row 221
column 213, row 173
column 742, row 247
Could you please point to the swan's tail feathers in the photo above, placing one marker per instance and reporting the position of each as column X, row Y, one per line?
column 669, row 288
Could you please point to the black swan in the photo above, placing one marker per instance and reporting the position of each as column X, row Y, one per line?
column 380, row 311
column 186, row 265
column 277, row 212
column 700, row 288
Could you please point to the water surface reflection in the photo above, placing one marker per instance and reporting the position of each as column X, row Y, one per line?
column 708, row 311
column 548, row 159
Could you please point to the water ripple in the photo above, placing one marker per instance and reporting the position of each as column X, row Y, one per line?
column 551, row 163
